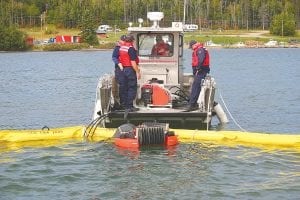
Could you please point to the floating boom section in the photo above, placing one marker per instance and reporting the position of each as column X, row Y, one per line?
column 184, row 136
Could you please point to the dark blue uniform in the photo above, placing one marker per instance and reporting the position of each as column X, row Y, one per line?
column 119, row 75
column 196, row 87
column 199, row 73
column 130, row 81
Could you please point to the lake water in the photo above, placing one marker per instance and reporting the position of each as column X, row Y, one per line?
column 260, row 88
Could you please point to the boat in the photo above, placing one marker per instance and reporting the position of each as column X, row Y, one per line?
column 162, row 94
column 271, row 43
column 210, row 43
column 163, row 90
column 240, row 45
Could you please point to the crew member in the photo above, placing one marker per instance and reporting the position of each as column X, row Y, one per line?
column 200, row 66
column 160, row 48
column 129, row 60
column 119, row 75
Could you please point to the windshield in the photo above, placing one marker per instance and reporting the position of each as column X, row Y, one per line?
column 156, row 44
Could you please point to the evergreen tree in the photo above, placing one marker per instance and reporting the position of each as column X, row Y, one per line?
column 226, row 14
column 12, row 39
column 88, row 28
column 283, row 24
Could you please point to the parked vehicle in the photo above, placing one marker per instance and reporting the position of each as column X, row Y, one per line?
column 104, row 29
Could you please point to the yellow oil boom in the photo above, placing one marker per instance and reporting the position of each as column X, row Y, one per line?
column 260, row 140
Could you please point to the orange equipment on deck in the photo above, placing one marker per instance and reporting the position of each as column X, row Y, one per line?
column 154, row 95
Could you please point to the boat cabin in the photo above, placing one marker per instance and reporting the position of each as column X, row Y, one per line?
column 160, row 51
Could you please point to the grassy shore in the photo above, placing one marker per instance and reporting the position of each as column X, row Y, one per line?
column 229, row 37
column 226, row 38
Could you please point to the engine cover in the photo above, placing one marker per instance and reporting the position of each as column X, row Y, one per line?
column 155, row 95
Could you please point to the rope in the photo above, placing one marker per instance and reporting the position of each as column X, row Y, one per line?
column 91, row 128
column 180, row 93
column 236, row 123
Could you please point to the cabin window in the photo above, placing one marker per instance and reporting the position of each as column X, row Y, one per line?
column 180, row 45
column 156, row 44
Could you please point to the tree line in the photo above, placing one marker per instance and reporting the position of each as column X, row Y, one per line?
column 208, row 14
column 281, row 17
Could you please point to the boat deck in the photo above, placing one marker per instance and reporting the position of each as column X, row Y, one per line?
column 177, row 118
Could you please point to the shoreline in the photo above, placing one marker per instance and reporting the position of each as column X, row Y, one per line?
column 259, row 46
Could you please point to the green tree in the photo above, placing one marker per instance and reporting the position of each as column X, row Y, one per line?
column 283, row 24
column 12, row 39
column 32, row 11
column 88, row 28
column 250, row 14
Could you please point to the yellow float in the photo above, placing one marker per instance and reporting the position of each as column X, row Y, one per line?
column 261, row 140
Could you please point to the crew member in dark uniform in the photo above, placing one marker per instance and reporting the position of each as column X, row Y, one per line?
column 129, row 59
column 119, row 75
column 200, row 66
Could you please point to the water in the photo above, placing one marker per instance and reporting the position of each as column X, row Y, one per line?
column 260, row 87
column 57, row 89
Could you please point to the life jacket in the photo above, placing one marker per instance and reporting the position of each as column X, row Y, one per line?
column 195, row 61
column 124, row 57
